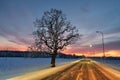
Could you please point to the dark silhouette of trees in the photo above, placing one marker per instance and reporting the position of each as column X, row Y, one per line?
column 54, row 32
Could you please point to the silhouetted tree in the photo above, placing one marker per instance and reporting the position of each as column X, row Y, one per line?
column 54, row 32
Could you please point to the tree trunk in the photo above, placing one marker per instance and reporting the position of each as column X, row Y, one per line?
column 53, row 59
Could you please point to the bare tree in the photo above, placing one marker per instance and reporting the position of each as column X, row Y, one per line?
column 54, row 32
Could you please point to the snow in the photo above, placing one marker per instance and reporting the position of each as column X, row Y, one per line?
column 115, row 64
column 10, row 67
column 38, row 75
column 43, row 73
column 109, row 69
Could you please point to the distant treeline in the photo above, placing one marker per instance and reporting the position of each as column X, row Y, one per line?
column 107, row 58
column 34, row 54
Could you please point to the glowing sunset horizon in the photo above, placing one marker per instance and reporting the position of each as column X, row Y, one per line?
column 86, row 52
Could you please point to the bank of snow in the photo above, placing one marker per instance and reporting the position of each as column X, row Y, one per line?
column 11, row 67
column 43, row 73
column 112, row 73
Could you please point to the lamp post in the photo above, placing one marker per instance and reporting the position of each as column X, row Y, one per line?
column 102, row 43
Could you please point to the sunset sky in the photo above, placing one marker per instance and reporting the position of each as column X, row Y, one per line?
column 89, row 16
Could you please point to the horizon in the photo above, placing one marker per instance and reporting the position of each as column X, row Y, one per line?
column 59, row 52
column 17, row 17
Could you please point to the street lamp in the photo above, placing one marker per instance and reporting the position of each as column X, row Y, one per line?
column 102, row 42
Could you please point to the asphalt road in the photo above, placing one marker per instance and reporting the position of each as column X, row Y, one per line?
column 83, row 70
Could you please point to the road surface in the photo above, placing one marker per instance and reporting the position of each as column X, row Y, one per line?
column 84, row 70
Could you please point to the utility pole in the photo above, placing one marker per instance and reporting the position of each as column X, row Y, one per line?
column 102, row 43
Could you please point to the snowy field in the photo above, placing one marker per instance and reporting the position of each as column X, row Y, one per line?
column 10, row 67
column 113, row 63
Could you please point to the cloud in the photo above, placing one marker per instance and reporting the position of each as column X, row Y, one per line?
column 14, row 37
column 115, row 45
column 113, row 30
column 97, row 48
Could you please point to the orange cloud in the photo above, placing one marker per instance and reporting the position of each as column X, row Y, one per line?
column 14, row 47
column 113, row 53
column 91, row 52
